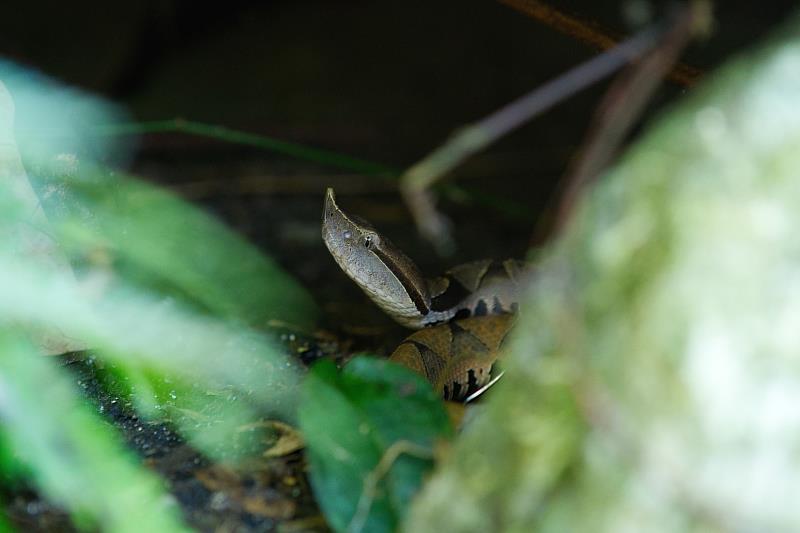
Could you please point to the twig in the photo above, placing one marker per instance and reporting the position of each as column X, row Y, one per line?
column 415, row 183
column 582, row 30
column 592, row 34
column 372, row 479
column 624, row 103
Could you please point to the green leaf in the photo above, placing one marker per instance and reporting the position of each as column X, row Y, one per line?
column 159, row 241
column 136, row 330
column 5, row 527
column 370, row 432
column 105, row 219
column 158, row 288
column 161, row 291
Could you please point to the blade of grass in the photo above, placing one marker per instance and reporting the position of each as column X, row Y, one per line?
column 300, row 151
column 328, row 158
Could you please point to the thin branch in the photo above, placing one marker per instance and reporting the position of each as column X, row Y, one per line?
column 372, row 479
column 623, row 105
column 415, row 183
column 592, row 34
column 582, row 30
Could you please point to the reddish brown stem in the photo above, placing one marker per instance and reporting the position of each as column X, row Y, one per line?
column 592, row 34
column 622, row 106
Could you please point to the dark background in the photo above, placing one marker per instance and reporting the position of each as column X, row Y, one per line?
column 383, row 80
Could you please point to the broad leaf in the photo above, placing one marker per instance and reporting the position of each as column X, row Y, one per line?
column 370, row 432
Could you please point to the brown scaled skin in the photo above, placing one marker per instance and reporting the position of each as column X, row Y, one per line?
column 456, row 357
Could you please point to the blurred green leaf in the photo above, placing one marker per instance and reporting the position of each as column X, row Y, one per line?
column 174, row 302
column 370, row 431
column 154, row 238
column 654, row 377
column 52, row 118
column 106, row 220
column 174, row 359
column 161, row 288
column 5, row 527
column 300, row 151
column 74, row 457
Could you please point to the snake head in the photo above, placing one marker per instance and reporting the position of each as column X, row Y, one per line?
column 383, row 272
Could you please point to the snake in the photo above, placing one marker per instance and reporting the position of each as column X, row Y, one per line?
column 463, row 316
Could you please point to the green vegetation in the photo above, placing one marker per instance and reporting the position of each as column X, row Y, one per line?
column 654, row 378
column 370, row 431
column 175, row 301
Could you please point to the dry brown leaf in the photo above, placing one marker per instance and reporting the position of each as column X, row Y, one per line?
column 260, row 505
column 289, row 440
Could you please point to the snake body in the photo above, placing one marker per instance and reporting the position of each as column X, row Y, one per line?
column 463, row 315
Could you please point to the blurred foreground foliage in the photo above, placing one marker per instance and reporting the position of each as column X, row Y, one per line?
column 654, row 380
column 175, row 303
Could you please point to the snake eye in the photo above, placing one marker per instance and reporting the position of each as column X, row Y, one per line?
column 370, row 240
